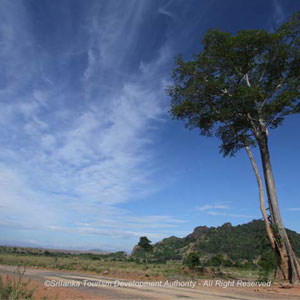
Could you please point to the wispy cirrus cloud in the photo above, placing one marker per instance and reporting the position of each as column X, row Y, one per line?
column 279, row 15
column 74, row 149
column 82, row 110
column 164, row 11
column 222, row 209
column 217, row 213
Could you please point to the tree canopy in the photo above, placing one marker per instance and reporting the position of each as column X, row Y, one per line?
column 240, row 84
column 145, row 244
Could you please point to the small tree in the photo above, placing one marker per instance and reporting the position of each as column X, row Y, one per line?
column 237, row 88
column 267, row 264
column 192, row 260
column 145, row 245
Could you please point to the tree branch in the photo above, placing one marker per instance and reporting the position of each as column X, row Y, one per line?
column 247, row 79
column 262, row 74
column 225, row 92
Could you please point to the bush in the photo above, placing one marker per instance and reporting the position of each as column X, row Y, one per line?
column 47, row 253
column 216, row 260
column 192, row 260
column 227, row 263
column 267, row 261
column 267, row 264
column 15, row 287
column 247, row 265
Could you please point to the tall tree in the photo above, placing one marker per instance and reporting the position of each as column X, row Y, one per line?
column 145, row 244
column 236, row 88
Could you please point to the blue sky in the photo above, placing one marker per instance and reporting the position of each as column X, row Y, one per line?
column 90, row 157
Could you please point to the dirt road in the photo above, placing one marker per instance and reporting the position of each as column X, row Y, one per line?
column 97, row 287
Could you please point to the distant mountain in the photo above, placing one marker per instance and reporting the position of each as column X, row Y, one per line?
column 52, row 249
column 97, row 251
column 239, row 243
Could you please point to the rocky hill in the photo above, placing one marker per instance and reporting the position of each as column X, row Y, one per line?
column 241, row 243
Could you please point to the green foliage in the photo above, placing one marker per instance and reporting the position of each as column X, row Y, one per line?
column 295, row 241
column 223, row 246
column 237, row 242
column 145, row 247
column 192, row 260
column 168, row 249
column 120, row 255
column 239, row 84
column 216, row 260
column 267, row 261
column 47, row 253
column 267, row 264
column 145, row 244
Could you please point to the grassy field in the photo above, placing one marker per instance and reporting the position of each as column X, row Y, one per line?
column 110, row 266
column 114, row 268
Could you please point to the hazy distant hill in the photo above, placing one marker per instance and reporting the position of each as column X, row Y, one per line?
column 242, row 243
column 98, row 251
column 29, row 245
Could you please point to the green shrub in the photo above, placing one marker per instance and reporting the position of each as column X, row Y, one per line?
column 192, row 260
column 216, row 260
column 227, row 263
column 268, row 261
column 267, row 264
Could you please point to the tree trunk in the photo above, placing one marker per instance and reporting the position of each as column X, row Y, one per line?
column 287, row 263
column 261, row 198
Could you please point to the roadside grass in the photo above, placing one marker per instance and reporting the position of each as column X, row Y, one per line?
column 121, row 269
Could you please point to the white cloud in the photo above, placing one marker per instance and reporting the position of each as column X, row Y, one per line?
column 212, row 206
column 217, row 213
column 294, row 209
